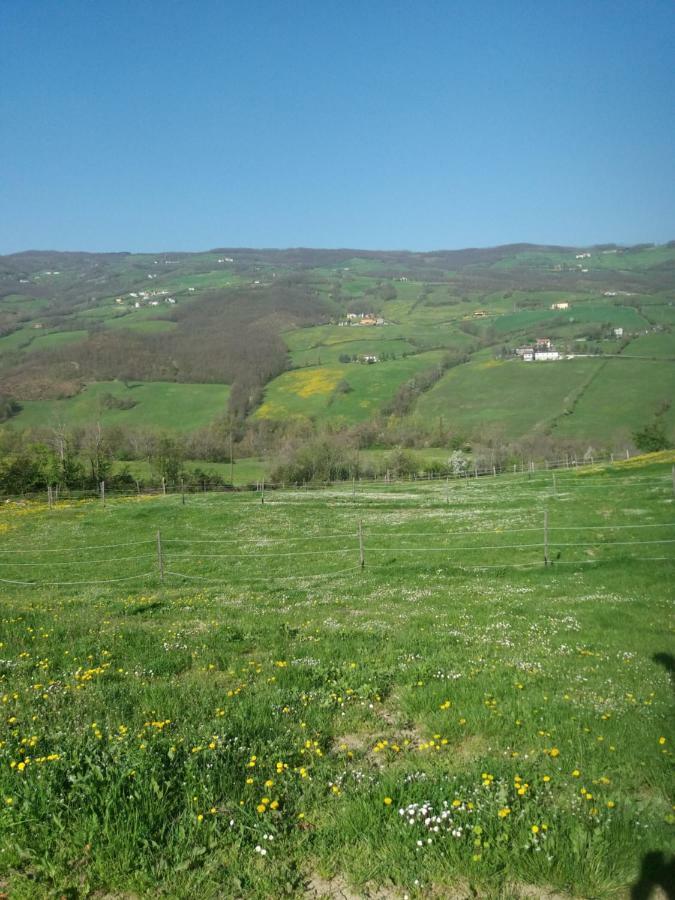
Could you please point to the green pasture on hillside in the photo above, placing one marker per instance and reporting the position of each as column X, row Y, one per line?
column 452, row 719
column 625, row 396
column 508, row 399
column 17, row 340
column 176, row 407
column 313, row 391
column 52, row 339
column 659, row 344
column 588, row 314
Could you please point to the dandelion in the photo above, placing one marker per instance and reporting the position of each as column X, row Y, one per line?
column 504, row 812
column 662, row 741
column 576, row 773
column 535, row 829
column 388, row 801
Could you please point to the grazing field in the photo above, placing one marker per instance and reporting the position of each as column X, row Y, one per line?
column 476, row 396
column 315, row 391
column 647, row 389
column 179, row 407
column 454, row 719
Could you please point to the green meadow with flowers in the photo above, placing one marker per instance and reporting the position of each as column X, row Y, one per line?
column 257, row 715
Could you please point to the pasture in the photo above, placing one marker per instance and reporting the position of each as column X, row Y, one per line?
column 314, row 390
column 258, row 715
column 158, row 404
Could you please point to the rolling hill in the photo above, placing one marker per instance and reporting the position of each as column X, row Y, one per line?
column 264, row 338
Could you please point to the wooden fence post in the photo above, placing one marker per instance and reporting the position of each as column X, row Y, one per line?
column 262, row 491
column 362, row 556
column 164, row 485
column 545, row 537
column 160, row 561
column 103, row 493
column 555, row 491
column 182, row 491
column 447, row 490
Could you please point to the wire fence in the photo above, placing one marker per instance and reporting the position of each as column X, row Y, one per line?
column 339, row 553
column 526, row 469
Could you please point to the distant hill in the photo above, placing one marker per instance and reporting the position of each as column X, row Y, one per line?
column 285, row 336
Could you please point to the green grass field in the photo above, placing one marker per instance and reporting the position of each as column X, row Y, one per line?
column 311, row 392
column 175, row 407
column 272, row 720
column 646, row 387
column 479, row 396
column 53, row 339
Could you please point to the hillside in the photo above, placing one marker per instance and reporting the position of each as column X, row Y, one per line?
column 270, row 338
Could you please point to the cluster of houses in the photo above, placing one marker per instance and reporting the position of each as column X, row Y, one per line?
column 543, row 351
column 367, row 319
column 142, row 298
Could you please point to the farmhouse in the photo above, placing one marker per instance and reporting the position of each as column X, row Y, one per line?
column 618, row 332
column 562, row 305
column 480, row 314
column 370, row 359
column 543, row 351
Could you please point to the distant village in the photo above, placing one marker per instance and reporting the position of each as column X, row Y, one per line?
column 137, row 299
column 366, row 319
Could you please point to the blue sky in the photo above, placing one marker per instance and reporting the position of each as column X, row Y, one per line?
column 175, row 125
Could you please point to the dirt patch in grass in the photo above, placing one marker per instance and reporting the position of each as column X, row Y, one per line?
column 469, row 748
column 337, row 888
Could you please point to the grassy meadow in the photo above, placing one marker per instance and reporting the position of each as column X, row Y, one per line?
column 314, row 391
column 453, row 719
column 180, row 407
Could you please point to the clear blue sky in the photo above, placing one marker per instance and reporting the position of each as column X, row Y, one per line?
column 139, row 125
